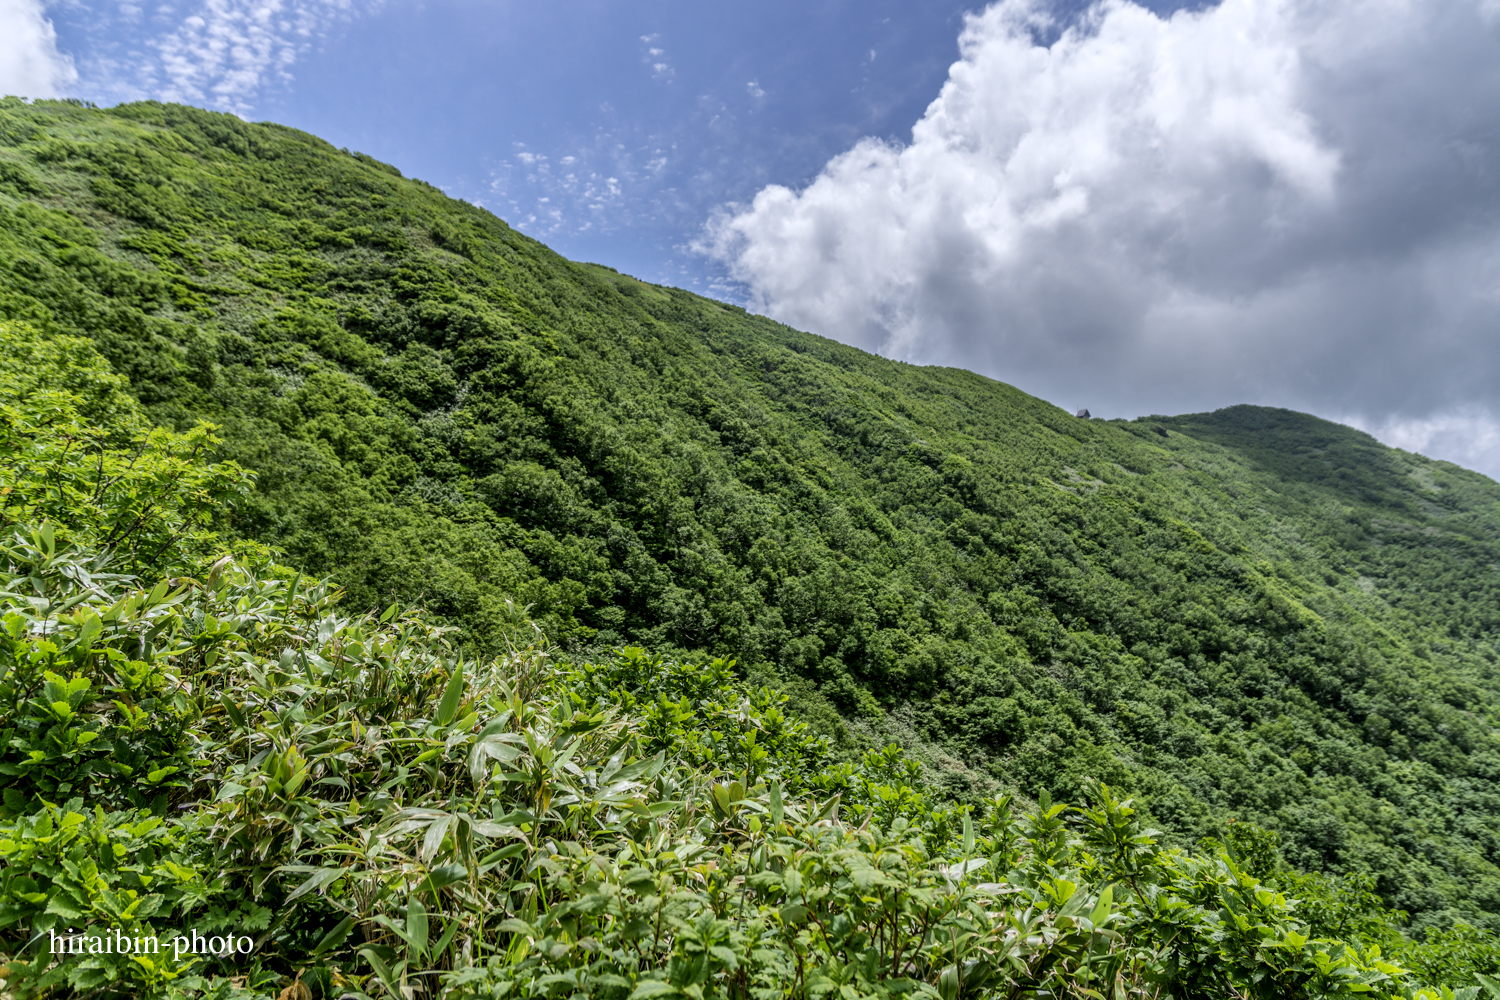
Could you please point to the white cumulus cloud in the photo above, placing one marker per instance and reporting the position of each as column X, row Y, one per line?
column 1294, row 202
column 30, row 63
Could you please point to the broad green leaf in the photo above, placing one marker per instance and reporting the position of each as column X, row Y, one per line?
column 416, row 927
column 1102, row 907
column 432, row 842
column 453, row 696
column 317, row 880
column 334, row 937
column 228, row 791
column 444, row 875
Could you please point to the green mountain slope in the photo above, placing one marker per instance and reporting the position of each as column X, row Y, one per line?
column 1250, row 614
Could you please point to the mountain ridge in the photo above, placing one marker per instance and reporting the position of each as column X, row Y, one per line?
column 1245, row 613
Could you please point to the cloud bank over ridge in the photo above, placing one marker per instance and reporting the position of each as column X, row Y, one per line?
column 1277, row 201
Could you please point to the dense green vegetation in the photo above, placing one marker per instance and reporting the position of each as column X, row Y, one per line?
column 1250, row 614
column 363, row 812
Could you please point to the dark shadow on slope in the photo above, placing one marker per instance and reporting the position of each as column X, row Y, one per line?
column 1300, row 448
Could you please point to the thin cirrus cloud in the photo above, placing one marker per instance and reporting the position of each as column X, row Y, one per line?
column 30, row 63
column 227, row 51
column 221, row 54
column 656, row 57
column 546, row 196
column 1289, row 202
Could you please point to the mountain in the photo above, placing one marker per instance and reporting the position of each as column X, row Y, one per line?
column 1251, row 614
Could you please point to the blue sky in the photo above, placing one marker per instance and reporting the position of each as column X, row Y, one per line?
column 1134, row 209
column 609, row 130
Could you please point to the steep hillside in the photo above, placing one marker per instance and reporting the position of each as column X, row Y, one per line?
column 1249, row 614
column 366, row 814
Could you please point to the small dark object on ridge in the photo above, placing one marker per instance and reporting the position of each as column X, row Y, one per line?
column 1082, row 413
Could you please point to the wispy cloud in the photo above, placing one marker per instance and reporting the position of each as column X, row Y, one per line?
column 223, row 54
column 656, row 58
column 573, row 193
column 30, row 63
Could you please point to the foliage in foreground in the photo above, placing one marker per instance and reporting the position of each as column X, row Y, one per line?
column 366, row 813
column 234, row 756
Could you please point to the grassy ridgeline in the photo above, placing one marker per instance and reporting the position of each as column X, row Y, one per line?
column 1249, row 614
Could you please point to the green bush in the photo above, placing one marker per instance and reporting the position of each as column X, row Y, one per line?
column 378, row 812
column 76, row 451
